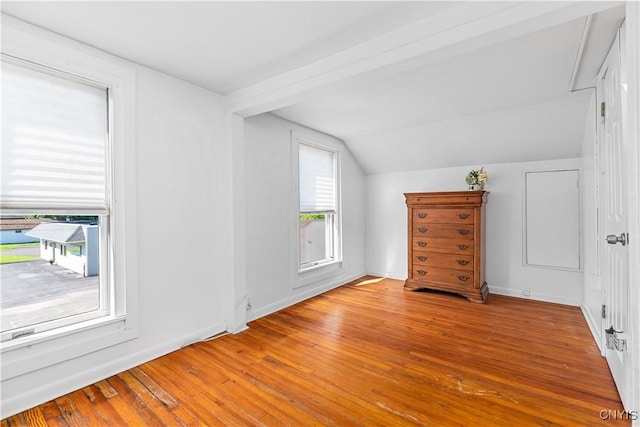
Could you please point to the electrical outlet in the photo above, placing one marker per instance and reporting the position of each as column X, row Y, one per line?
column 526, row 293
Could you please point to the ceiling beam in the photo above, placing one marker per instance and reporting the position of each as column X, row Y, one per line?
column 467, row 27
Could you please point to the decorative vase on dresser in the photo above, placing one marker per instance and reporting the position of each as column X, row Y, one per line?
column 446, row 242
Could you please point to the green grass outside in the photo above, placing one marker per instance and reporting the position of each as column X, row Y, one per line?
column 8, row 259
column 312, row 216
column 17, row 245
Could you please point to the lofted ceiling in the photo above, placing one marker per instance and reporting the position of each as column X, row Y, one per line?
column 502, row 100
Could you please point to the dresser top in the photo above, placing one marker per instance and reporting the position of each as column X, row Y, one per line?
column 448, row 198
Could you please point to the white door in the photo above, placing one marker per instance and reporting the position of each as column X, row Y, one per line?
column 615, row 255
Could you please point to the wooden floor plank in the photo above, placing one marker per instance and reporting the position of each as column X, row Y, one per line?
column 70, row 412
column 153, row 387
column 106, row 389
column 266, row 397
column 142, row 408
column 130, row 412
column 186, row 387
column 16, row 420
column 35, row 417
column 52, row 414
column 367, row 353
column 103, row 406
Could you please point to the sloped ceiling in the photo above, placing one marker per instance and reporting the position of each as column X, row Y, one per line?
column 499, row 102
column 508, row 102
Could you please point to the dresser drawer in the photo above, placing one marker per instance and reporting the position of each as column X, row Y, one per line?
column 451, row 246
column 437, row 259
column 443, row 275
column 450, row 231
column 443, row 216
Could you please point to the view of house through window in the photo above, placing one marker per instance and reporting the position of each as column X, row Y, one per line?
column 54, row 197
column 52, row 273
column 318, row 205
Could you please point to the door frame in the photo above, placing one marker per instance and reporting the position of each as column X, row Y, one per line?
column 632, row 129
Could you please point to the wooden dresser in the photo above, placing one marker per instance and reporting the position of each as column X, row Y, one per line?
column 446, row 242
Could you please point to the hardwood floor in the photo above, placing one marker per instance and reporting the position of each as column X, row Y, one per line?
column 368, row 353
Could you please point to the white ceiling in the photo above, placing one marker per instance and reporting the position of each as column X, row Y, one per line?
column 221, row 45
column 512, row 96
column 499, row 102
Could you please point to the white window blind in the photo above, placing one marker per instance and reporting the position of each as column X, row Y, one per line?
column 317, row 172
column 54, row 142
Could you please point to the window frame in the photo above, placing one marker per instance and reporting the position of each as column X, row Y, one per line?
column 106, row 286
column 104, row 297
column 302, row 276
column 330, row 237
column 32, row 352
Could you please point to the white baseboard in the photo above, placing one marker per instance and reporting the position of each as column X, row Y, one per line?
column 287, row 302
column 389, row 275
column 576, row 302
column 594, row 326
column 12, row 405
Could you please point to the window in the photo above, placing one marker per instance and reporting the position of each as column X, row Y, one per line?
column 55, row 145
column 114, row 210
column 318, row 205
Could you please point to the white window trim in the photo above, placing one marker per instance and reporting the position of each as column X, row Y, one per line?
column 326, row 261
column 321, row 271
column 33, row 352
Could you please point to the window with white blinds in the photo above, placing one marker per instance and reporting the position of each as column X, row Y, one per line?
column 68, row 157
column 318, row 206
column 54, row 142
column 317, row 174
column 54, row 157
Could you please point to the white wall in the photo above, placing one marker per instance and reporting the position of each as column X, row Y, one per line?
column 178, row 135
column 178, row 127
column 269, row 205
column 386, row 222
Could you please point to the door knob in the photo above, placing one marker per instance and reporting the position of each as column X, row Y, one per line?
column 612, row 239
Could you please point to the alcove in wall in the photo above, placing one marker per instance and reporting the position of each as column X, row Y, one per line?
column 552, row 219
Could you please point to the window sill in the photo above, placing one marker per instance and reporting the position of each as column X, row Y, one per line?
column 33, row 352
column 316, row 272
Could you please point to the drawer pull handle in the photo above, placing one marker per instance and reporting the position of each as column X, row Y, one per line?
column 463, row 215
column 422, row 258
column 463, row 247
column 462, row 261
column 463, row 231
column 422, row 215
column 463, row 278
column 422, row 244
column 422, row 229
column 422, row 272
